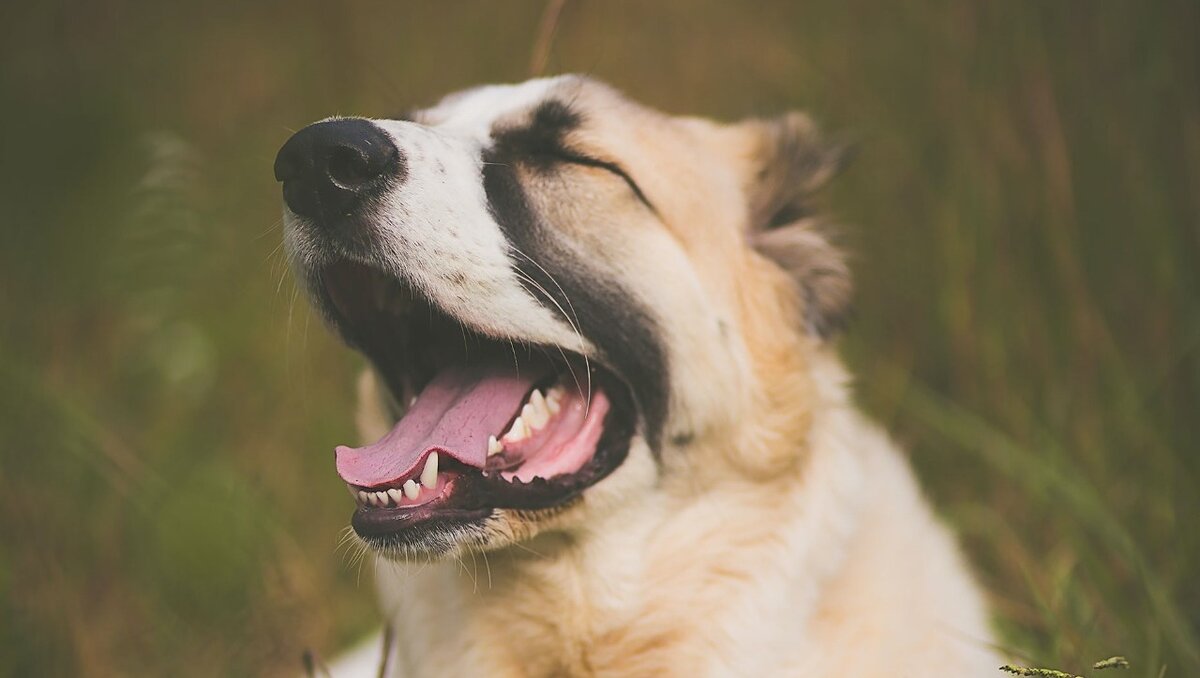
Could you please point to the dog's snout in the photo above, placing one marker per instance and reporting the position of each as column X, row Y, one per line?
column 330, row 168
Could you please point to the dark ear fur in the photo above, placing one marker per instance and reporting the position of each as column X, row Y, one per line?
column 791, row 163
column 819, row 269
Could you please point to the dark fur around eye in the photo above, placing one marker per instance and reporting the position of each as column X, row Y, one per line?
column 541, row 144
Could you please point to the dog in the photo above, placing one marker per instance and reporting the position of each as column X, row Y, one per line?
column 607, row 432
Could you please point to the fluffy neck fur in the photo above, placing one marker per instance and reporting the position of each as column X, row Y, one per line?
column 793, row 543
column 675, row 581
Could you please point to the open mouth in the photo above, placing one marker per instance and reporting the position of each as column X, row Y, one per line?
column 480, row 423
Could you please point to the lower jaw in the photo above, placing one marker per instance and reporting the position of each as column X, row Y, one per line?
column 467, row 499
column 377, row 523
column 459, row 516
column 424, row 539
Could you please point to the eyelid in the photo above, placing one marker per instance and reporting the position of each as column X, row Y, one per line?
column 573, row 157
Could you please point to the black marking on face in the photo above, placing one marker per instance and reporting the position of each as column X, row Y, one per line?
column 606, row 312
column 541, row 143
column 543, row 147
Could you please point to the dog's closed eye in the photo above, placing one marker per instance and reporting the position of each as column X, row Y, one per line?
column 576, row 158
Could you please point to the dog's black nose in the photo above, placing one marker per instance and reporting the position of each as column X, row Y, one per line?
column 329, row 168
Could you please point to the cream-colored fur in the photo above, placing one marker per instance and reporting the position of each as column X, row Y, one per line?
column 777, row 532
column 835, row 569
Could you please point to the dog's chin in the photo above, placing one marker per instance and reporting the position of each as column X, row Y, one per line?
column 492, row 438
column 445, row 538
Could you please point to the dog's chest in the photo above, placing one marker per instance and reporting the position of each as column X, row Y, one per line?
column 535, row 619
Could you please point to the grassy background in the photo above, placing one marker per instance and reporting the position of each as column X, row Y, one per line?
column 1024, row 214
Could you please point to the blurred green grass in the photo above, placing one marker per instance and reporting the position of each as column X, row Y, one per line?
column 1024, row 216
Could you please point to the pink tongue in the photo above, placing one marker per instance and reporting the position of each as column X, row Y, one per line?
column 454, row 415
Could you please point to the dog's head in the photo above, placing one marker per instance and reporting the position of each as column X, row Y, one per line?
column 567, row 299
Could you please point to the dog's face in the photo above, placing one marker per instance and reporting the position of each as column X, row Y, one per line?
column 560, row 292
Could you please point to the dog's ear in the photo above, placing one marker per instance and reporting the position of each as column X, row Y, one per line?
column 789, row 162
column 819, row 269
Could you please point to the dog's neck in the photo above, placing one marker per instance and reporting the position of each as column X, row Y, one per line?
column 665, row 575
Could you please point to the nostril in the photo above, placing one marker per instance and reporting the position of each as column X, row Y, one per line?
column 349, row 167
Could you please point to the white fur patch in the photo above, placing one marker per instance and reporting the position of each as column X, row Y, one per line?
column 471, row 113
column 435, row 229
column 441, row 237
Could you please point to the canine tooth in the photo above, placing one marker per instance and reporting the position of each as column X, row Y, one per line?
column 429, row 474
column 494, row 446
column 362, row 498
column 396, row 495
column 518, row 431
column 411, row 489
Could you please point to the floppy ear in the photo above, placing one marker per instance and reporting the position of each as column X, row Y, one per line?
column 788, row 163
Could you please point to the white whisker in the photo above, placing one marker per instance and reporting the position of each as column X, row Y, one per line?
column 575, row 325
column 570, row 368
column 586, row 394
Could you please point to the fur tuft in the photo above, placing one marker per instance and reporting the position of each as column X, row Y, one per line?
column 819, row 269
column 793, row 162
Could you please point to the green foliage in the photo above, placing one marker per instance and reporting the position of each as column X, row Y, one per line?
column 1110, row 663
column 1026, row 240
column 1043, row 673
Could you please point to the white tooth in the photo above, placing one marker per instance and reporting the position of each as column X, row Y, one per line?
column 382, row 498
column 362, row 498
column 411, row 489
column 494, row 446
column 529, row 416
column 538, row 401
column 535, row 416
column 429, row 474
column 372, row 499
column 554, row 400
column 517, row 432
column 412, row 402
column 395, row 494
